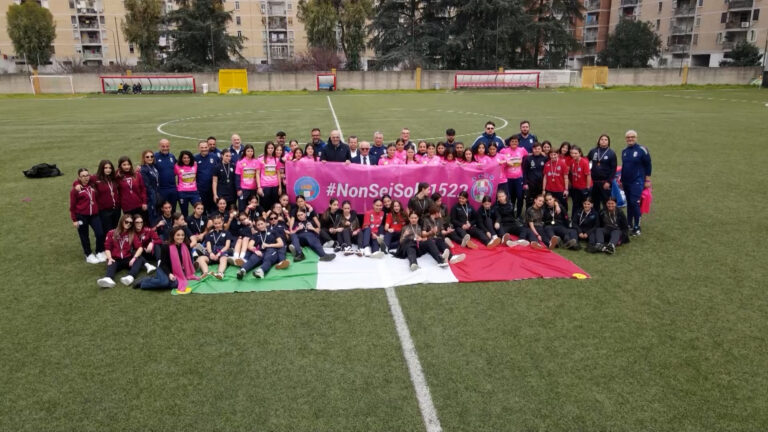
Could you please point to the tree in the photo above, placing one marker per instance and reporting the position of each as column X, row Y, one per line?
column 353, row 30
column 142, row 27
column 551, row 20
column 743, row 54
column 408, row 33
column 632, row 44
column 322, row 18
column 32, row 31
column 199, row 36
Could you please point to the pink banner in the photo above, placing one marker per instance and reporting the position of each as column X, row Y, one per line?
column 319, row 182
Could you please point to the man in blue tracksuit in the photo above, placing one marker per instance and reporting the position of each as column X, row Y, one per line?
column 525, row 138
column 207, row 163
column 635, row 176
column 164, row 162
column 488, row 137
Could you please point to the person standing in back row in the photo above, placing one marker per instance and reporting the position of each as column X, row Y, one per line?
column 207, row 162
column 603, row 168
column 525, row 138
column 635, row 176
column 165, row 163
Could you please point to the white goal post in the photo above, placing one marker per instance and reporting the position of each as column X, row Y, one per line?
column 496, row 79
column 51, row 84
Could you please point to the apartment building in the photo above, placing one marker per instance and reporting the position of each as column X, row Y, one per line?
column 90, row 31
column 692, row 32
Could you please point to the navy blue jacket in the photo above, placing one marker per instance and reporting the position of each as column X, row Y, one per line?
column 603, row 164
column 487, row 140
column 635, row 164
column 378, row 151
column 206, row 168
column 164, row 165
column 338, row 153
column 526, row 142
column 372, row 160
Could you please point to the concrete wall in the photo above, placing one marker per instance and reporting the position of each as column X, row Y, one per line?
column 406, row 80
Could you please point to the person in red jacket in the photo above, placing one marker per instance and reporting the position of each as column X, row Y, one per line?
column 581, row 180
column 556, row 179
column 123, row 249
column 133, row 194
column 84, row 211
column 150, row 242
column 108, row 196
column 371, row 237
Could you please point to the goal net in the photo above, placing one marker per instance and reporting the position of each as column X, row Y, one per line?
column 47, row 84
column 130, row 84
column 326, row 81
column 495, row 80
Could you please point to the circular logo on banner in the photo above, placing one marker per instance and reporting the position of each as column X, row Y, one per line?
column 481, row 188
column 306, row 187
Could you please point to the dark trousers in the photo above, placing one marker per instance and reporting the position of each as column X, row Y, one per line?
column 345, row 237
column 510, row 228
column 94, row 221
column 169, row 194
column 158, row 281
column 270, row 196
column 307, row 239
column 364, row 240
column 473, row 232
column 599, row 194
column 325, row 236
column 558, row 230
column 516, row 197
column 242, row 200
column 152, row 210
column 187, row 199
column 577, row 197
column 123, row 263
column 527, row 234
column 560, row 197
column 416, row 249
column 608, row 235
column 633, row 192
column 206, row 197
column 534, row 190
column 265, row 261
column 392, row 239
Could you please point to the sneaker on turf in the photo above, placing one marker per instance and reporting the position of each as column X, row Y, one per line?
column 105, row 282
column 337, row 248
column 150, row 268
column 457, row 258
column 102, row 257
column 465, row 240
column 292, row 248
column 299, row 258
column 240, row 274
column 414, row 267
column 327, row 257
column 635, row 233
column 571, row 244
column 258, row 273
column 282, row 265
column 505, row 239
column 91, row 259
column 446, row 255
column 610, row 249
column 553, row 242
column 377, row 255
column 126, row 280
column 218, row 275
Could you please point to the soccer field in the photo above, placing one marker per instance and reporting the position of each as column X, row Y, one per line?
column 670, row 333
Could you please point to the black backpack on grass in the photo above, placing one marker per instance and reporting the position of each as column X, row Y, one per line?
column 42, row 170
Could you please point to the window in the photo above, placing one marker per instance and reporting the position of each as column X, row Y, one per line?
column 239, row 34
column 290, row 35
column 723, row 17
column 660, row 4
column 701, row 3
column 290, row 21
column 658, row 24
column 752, row 36
column 698, row 21
column 264, row 35
column 71, row 4
column 237, row 5
column 237, row 21
column 263, row 8
column 74, row 21
column 101, row 19
column 695, row 39
column 289, row 6
column 131, row 48
column 755, row 14
column 719, row 38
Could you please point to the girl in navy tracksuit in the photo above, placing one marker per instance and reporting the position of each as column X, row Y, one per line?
column 586, row 221
column 508, row 222
column 151, row 178
column 603, row 170
column 413, row 244
column 84, row 211
column 556, row 225
column 533, row 173
column 464, row 220
column 486, row 221
column 614, row 228
column 217, row 244
column 305, row 232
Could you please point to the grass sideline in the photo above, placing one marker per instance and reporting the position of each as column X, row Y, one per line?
column 670, row 333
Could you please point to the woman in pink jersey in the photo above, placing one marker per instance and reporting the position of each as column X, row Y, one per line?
column 498, row 159
column 513, row 170
column 310, row 152
column 421, row 150
column 410, row 157
column 246, row 175
column 467, row 158
column 400, row 149
column 431, row 157
column 481, row 155
column 280, row 156
column 439, row 149
column 390, row 158
column 450, row 157
column 186, row 181
column 268, row 181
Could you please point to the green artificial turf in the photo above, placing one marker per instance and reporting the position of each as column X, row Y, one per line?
column 669, row 334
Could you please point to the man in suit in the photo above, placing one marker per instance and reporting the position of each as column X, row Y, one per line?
column 364, row 156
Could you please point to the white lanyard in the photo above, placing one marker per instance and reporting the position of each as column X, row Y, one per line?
column 582, row 215
column 612, row 219
column 263, row 239
column 215, row 238
column 466, row 211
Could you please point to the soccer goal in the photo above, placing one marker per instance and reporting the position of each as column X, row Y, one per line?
column 495, row 79
column 326, row 81
column 42, row 84
column 129, row 84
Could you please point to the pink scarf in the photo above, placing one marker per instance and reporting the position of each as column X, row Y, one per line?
column 183, row 270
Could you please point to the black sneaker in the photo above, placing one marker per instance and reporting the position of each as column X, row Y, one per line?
column 610, row 249
column 635, row 232
column 337, row 248
column 240, row 274
column 327, row 257
column 137, row 283
column 299, row 258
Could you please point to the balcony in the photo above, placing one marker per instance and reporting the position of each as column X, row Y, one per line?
column 629, row 3
column 740, row 4
column 92, row 55
column 589, row 50
column 684, row 11
column 277, row 23
column 591, row 22
column 590, row 37
column 276, row 11
column 730, row 44
column 678, row 49
column 681, row 30
column 592, row 5
column 738, row 25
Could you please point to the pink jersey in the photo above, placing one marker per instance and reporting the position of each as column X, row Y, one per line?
column 247, row 170
column 516, row 156
column 483, row 159
column 400, row 155
column 187, row 178
column 431, row 160
column 270, row 171
column 387, row 161
column 499, row 160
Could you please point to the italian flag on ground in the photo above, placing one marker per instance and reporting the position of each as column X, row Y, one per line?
column 350, row 272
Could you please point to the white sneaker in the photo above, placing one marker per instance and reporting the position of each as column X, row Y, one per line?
column 367, row 251
column 328, row 244
column 105, row 282
column 231, row 261
column 150, row 268
column 449, row 242
column 523, row 242
column 126, row 280
column 494, row 237
column 380, row 239
column 465, row 240
column 377, row 254
column 414, row 267
column 292, row 248
column 91, row 259
column 457, row 258
column 446, row 255
column 259, row 273
column 102, row 257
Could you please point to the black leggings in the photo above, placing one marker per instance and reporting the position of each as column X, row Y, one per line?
column 413, row 250
column 124, row 263
column 473, row 232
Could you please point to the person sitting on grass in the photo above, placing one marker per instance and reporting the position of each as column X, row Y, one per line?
column 506, row 221
column 433, row 228
column 464, row 222
column 279, row 228
column 306, row 232
column 174, row 268
column 556, row 225
column 614, row 228
column 242, row 231
column 371, row 239
column 123, row 250
column 217, row 244
column 149, row 241
column 534, row 220
column 414, row 244
column 586, row 222
column 263, row 248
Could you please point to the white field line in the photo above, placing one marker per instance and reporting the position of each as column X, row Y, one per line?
column 423, row 396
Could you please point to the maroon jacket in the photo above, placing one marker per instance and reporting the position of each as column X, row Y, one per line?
column 109, row 195
column 125, row 245
column 147, row 236
column 132, row 192
column 83, row 202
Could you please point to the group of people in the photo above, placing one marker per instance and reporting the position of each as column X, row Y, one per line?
column 228, row 206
